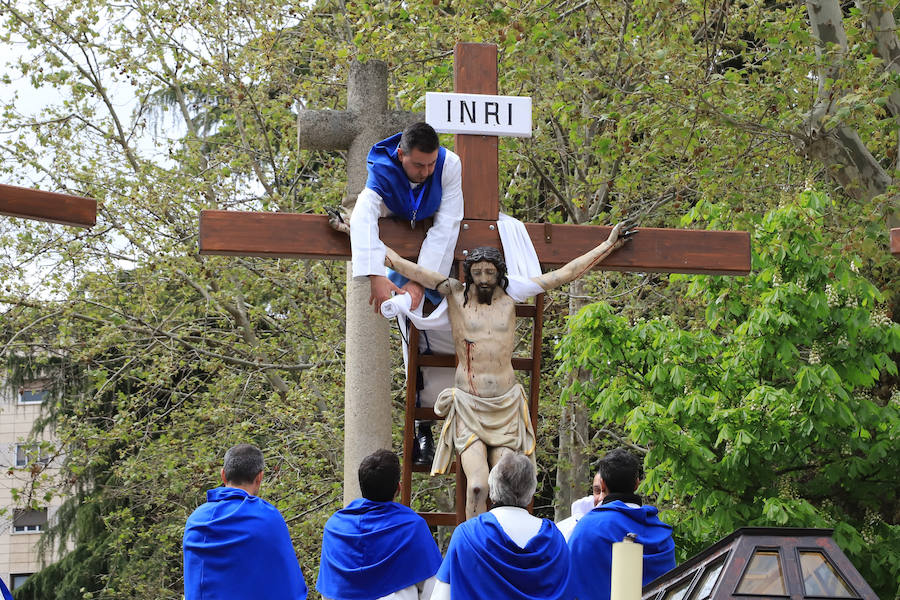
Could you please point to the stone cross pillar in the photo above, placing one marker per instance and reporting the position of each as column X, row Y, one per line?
column 367, row 383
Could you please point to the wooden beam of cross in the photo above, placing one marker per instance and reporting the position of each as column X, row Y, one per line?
column 895, row 241
column 289, row 235
column 294, row 235
column 54, row 207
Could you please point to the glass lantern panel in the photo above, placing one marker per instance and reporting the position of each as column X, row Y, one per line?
column 708, row 581
column 764, row 575
column 820, row 578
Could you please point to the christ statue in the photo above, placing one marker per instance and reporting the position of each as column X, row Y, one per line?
column 486, row 412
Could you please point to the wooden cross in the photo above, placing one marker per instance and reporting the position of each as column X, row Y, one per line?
column 475, row 71
column 47, row 206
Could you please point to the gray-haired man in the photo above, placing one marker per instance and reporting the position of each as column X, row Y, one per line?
column 506, row 552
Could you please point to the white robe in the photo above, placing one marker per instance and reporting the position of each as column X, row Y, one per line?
column 420, row 591
column 579, row 508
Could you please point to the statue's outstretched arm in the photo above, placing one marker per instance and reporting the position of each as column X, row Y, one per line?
column 428, row 278
column 584, row 263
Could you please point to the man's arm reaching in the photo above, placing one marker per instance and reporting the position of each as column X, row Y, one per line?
column 584, row 263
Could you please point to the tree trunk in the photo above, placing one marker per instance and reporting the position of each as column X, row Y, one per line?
column 573, row 475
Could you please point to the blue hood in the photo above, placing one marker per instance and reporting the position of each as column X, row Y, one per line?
column 372, row 549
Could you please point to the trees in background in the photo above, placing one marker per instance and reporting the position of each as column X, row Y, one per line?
column 656, row 110
column 775, row 405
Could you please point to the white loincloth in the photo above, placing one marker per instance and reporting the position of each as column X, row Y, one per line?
column 502, row 421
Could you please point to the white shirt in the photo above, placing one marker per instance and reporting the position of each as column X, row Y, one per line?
column 579, row 508
column 440, row 241
column 420, row 591
column 517, row 523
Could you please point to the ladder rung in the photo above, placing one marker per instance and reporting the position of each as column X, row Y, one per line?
column 437, row 360
column 522, row 364
column 427, row 414
column 526, row 310
column 437, row 519
column 448, row 360
column 427, row 468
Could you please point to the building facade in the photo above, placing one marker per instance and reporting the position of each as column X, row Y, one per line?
column 30, row 462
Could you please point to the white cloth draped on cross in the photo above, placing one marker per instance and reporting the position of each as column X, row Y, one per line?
column 521, row 263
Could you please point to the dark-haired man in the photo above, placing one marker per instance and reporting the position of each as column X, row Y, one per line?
column 486, row 413
column 237, row 545
column 376, row 548
column 411, row 177
column 619, row 513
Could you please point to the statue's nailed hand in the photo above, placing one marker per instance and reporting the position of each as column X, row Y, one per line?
column 416, row 292
column 621, row 233
column 336, row 220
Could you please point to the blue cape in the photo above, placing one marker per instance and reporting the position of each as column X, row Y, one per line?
column 388, row 179
column 238, row 546
column 372, row 549
column 592, row 539
column 482, row 562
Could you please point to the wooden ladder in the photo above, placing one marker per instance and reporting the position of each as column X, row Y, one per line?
column 416, row 359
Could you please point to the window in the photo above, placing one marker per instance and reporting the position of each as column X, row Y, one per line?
column 820, row 578
column 763, row 575
column 32, row 396
column 30, row 453
column 26, row 520
column 708, row 581
column 17, row 579
column 678, row 591
column 34, row 392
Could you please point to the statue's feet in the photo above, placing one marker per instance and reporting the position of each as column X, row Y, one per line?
column 423, row 449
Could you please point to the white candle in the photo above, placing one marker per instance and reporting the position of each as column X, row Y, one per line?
column 627, row 569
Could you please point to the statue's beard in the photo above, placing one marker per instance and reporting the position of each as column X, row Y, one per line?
column 485, row 293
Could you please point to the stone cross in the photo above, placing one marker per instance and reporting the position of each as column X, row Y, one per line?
column 367, row 387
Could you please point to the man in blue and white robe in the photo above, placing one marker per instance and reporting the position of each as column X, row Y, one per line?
column 413, row 178
column 619, row 513
column 375, row 548
column 506, row 552
column 237, row 545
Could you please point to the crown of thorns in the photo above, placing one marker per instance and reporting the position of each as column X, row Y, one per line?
column 482, row 254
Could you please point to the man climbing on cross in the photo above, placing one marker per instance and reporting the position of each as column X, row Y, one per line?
column 413, row 178
column 486, row 413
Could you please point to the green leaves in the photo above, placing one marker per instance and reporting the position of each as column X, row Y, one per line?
column 770, row 407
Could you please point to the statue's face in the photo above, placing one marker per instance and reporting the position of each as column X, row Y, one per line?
column 417, row 165
column 485, row 278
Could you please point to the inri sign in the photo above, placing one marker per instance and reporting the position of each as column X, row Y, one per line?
column 479, row 114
